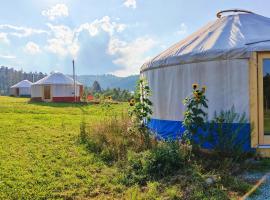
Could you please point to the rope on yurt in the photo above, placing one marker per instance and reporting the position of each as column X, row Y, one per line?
column 219, row 14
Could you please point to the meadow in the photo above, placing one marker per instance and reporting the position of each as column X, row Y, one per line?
column 41, row 157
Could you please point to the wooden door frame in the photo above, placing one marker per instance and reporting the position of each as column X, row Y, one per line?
column 17, row 92
column 256, row 99
column 253, row 100
column 263, row 140
column 43, row 95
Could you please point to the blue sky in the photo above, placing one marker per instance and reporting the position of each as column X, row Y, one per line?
column 103, row 36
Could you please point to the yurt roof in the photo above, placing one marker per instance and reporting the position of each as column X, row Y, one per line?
column 23, row 84
column 228, row 37
column 56, row 78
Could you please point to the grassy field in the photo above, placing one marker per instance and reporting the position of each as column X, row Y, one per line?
column 41, row 157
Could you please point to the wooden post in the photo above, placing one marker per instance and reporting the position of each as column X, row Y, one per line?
column 73, row 64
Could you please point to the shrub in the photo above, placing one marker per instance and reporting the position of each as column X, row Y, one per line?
column 162, row 160
column 111, row 138
column 229, row 135
column 165, row 159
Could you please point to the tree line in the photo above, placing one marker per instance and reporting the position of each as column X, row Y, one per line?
column 115, row 93
column 10, row 76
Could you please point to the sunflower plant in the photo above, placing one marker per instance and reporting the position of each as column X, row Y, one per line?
column 141, row 109
column 141, row 106
column 195, row 114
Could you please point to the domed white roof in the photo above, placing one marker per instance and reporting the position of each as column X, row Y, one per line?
column 56, row 78
column 23, row 84
column 232, row 36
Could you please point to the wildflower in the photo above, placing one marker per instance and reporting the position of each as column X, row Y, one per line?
column 196, row 94
column 200, row 93
column 187, row 113
column 195, row 86
column 132, row 102
column 203, row 89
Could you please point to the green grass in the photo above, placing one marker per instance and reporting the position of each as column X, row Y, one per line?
column 41, row 157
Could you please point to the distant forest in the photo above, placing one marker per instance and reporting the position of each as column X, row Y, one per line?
column 10, row 76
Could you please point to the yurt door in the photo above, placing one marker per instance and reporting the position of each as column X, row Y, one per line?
column 47, row 92
column 17, row 91
column 264, row 98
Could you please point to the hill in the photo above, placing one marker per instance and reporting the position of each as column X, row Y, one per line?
column 110, row 81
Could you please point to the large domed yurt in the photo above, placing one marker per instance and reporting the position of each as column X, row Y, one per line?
column 21, row 89
column 231, row 57
column 56, row 87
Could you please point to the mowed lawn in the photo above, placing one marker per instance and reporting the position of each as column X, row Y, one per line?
column 41, row 156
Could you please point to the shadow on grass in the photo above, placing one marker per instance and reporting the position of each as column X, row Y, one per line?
column 58, row 104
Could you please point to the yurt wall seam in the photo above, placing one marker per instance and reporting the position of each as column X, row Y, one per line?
column 191, row 62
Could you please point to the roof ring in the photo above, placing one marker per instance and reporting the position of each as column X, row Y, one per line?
column 219, row 14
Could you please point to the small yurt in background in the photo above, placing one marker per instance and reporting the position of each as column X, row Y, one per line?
column 21, row 89
column 56, row 87
column 231, row 56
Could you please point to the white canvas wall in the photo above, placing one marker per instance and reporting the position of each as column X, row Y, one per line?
column 13, row 91
column 36, row 91
column 57, row 90
column 24, row 91
column 65, row 90
column 227, row 84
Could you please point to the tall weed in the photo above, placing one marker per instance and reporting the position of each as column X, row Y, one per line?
column 112, row 137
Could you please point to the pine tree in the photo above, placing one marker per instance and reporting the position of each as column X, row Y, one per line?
column 96, row 87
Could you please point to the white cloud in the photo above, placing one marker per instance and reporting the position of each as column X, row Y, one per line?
column 130, row 3
column 63, row 42
column 130, row 55
column 104, row 24
column 7, row 56
column 20, row 31
column 59, row 10
column 4, row 38
column 32, row 48
column 183, row 29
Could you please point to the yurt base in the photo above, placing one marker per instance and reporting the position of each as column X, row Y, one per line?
column 264, row 151
column 56, row 99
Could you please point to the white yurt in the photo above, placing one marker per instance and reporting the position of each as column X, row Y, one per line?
column 56, row 87
column 21, row 89
column 231, row 57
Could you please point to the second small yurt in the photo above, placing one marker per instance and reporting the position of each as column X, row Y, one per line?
column 56, row 87
column 21, row 89
column 231, row 57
